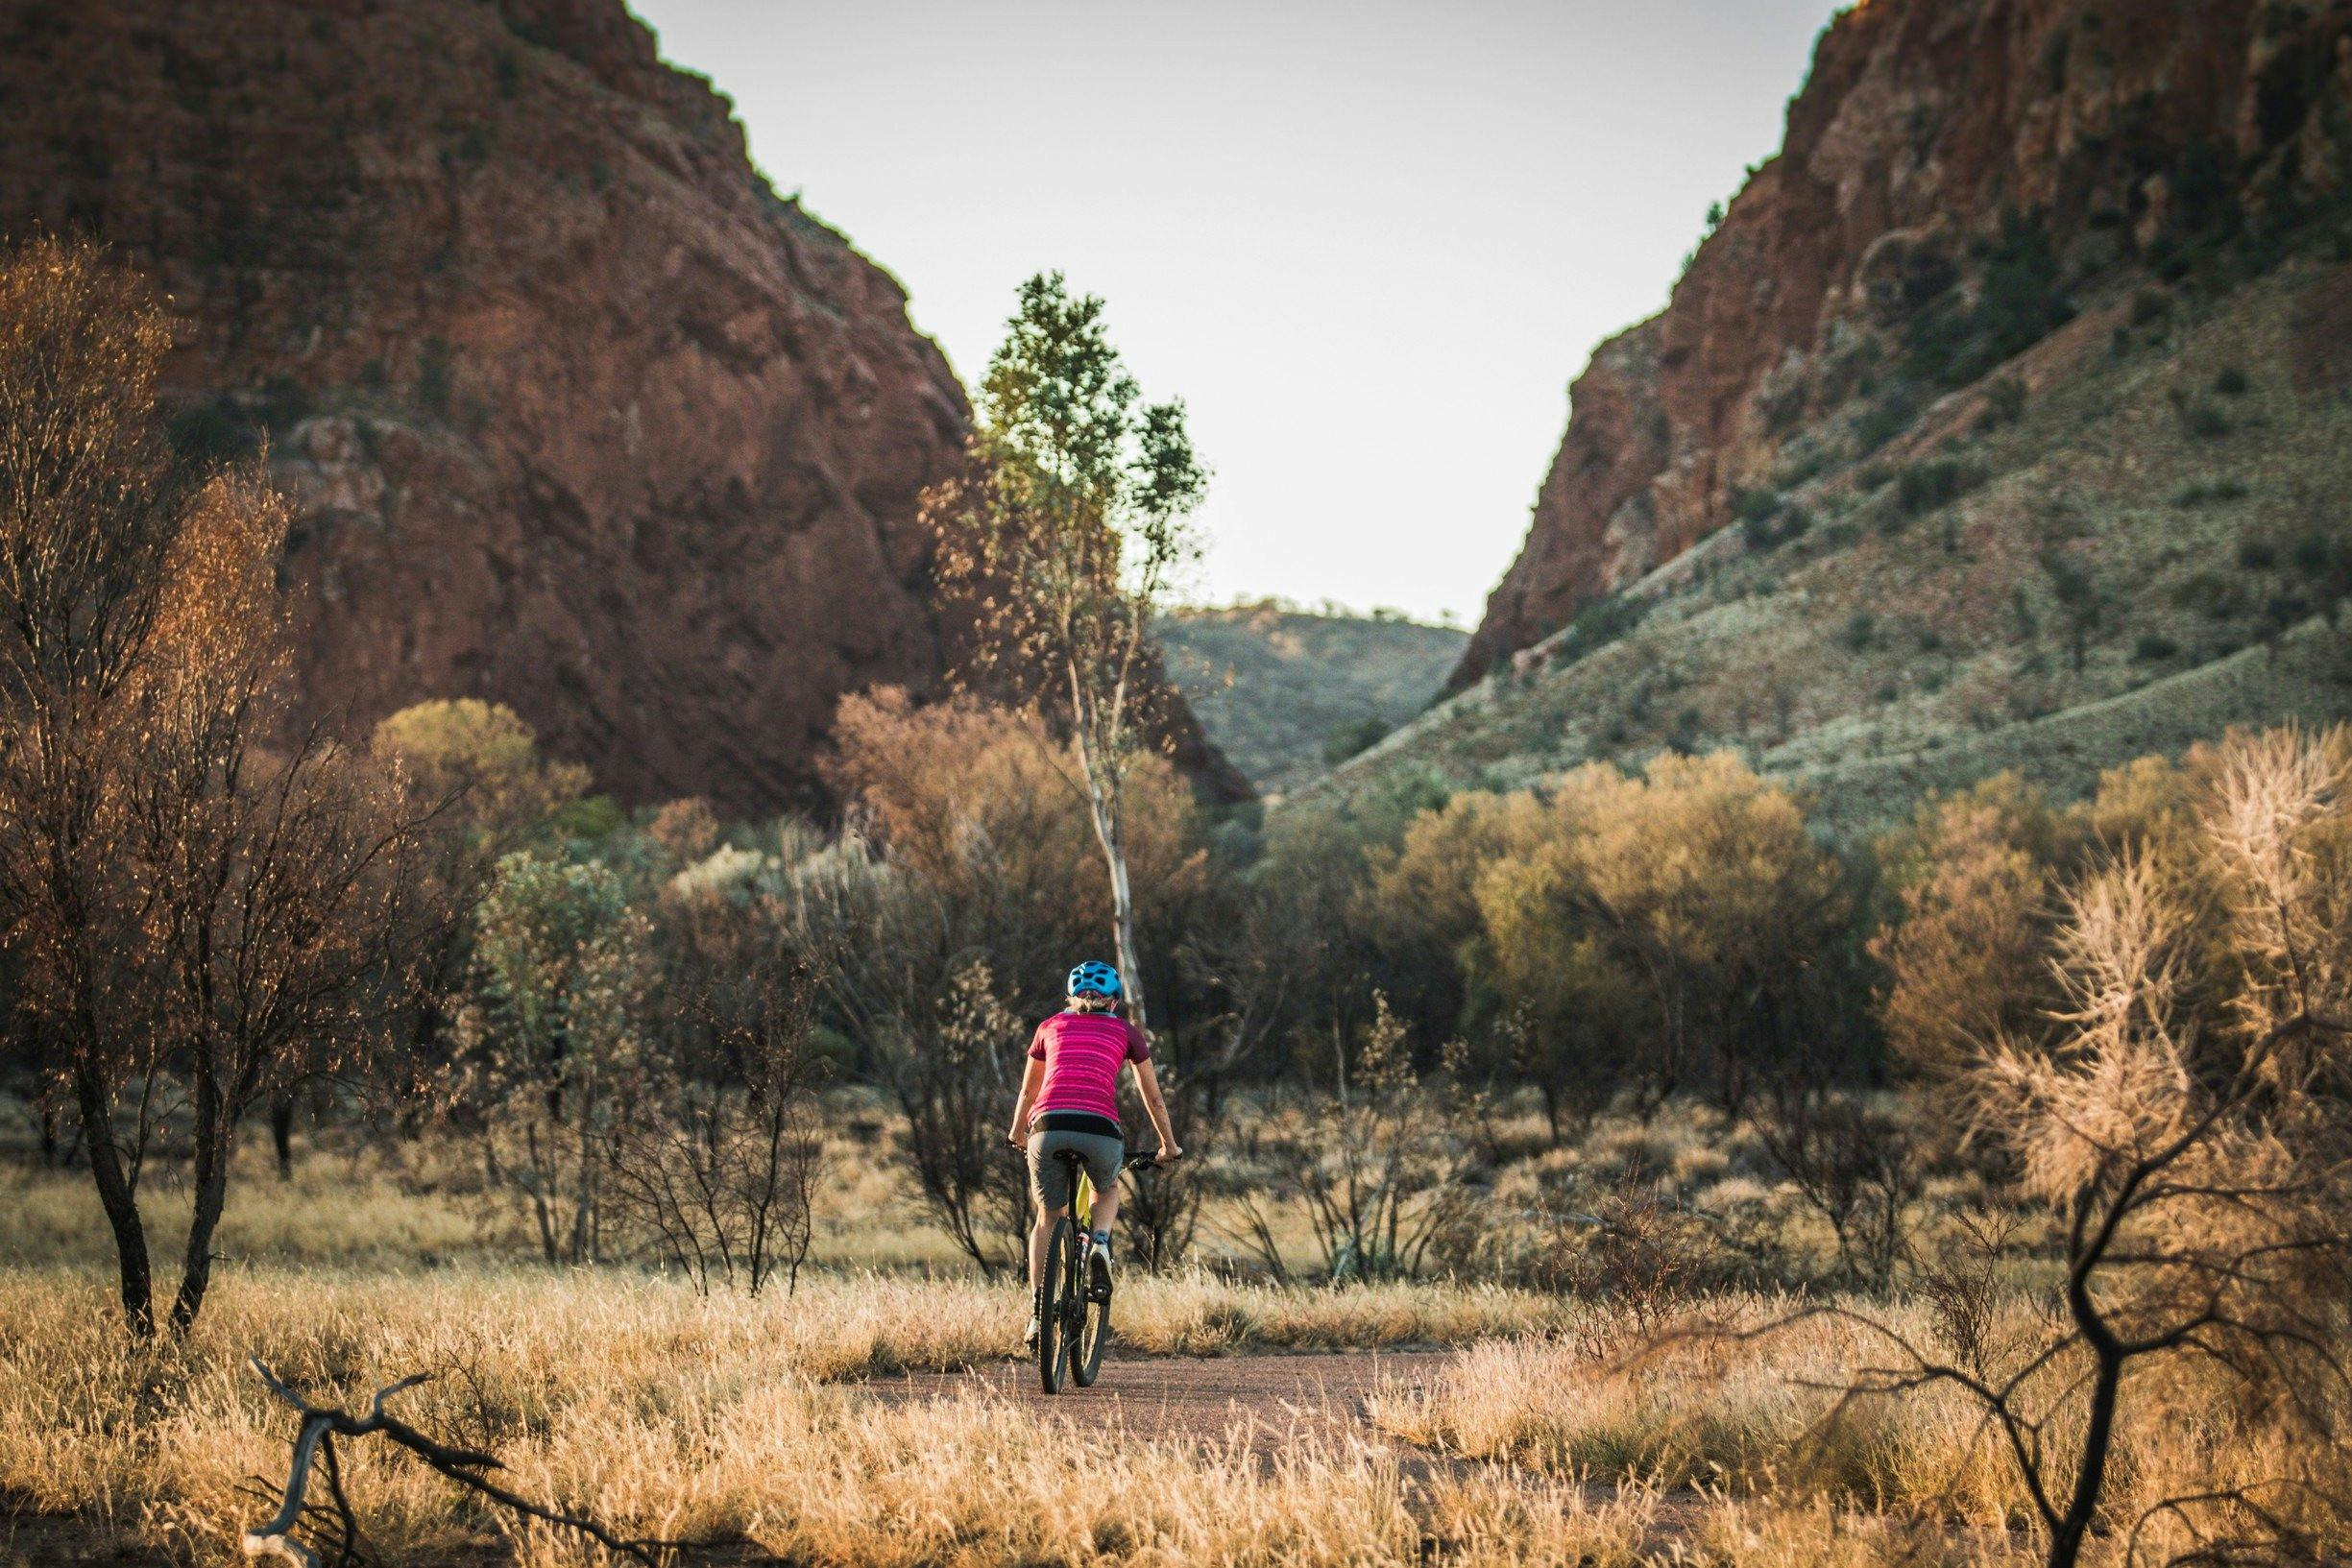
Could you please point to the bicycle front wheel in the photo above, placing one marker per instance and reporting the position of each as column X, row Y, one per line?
column 1057, row 1283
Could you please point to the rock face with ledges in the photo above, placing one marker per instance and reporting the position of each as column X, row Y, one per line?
column 2112, row 132
column 579, row 415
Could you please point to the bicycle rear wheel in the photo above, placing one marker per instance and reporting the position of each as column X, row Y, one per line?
column 1057, row 1282
column 1092, row 1335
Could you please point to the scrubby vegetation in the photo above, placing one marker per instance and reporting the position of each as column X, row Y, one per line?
column 1288, row 690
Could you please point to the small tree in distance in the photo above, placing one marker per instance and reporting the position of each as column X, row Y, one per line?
column 1063, row 543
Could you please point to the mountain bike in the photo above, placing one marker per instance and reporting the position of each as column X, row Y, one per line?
column 1073, row 1316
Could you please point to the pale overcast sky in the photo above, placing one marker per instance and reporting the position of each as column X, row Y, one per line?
column 1369, row 243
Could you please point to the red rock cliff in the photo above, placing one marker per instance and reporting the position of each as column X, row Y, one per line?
column 2107, row 132
column 580, row 417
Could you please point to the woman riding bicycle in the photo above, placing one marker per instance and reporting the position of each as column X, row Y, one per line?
column 1069, row 1101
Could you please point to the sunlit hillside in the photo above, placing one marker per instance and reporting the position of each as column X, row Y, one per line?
column 1285, row 690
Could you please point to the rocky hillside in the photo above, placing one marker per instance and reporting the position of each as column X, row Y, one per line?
column 2003, row 422
column 580, row 415
column 1956, row 174
column 1282, row 690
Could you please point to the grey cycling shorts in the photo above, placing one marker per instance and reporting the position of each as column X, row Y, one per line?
column 1049, row 1179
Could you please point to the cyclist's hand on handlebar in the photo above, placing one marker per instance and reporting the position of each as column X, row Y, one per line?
column 1013, row 1138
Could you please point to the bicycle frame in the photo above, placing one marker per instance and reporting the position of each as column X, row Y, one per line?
column 1066, row 1295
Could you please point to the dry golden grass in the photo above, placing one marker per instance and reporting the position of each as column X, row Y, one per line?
column 1706, row 1407
column 1745, row 1401
column 670, row 1414
column 666, row 1412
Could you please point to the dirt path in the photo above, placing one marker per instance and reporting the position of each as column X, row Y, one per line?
column 1263, row 1400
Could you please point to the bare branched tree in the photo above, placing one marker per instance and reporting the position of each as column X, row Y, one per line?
column 2189, row 1130
column 184, row 890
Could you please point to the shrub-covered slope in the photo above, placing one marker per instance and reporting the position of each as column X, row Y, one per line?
column 1281, row 690
column 2130, row 538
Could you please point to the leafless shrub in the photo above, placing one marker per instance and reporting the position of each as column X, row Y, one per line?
column 1853, row 1164
column 954, row 1081
column 1963, row 1282
column 1378, row 1165
column 717, row 1159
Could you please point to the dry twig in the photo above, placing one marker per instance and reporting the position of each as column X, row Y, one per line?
column 322, row 1426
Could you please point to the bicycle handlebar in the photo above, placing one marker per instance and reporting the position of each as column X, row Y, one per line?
column 1138, row 1159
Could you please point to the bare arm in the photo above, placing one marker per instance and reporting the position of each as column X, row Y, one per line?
column 1031, row 1081
column 1146, row 1081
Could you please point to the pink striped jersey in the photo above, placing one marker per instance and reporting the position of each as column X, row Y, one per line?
column 1082, row 1054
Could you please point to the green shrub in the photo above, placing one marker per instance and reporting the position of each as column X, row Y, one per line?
column 1842, row 533
column 2019, row 301
column 2215, row 595
column 2154, row 647
column 213, row 431
column 2257, row 554
column 285, row 403
column 1923, row 487
column 591, row 819
column 1860, row 628
column 1807, row 468
column 2149, row 305
column 1755, row 505
column 1601, row 623
column 2004, row 404
column 2206, row 492
column 2231, row 383
column 1882, row 422
column 1353, row 737
column 2198, row 417
column 2055, row 51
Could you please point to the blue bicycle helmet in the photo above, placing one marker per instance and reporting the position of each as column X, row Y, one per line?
column 1094, row 978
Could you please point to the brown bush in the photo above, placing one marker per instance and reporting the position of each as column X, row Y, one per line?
column 988, row 809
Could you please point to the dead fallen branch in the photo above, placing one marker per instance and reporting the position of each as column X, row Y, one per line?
column 320, row 1428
